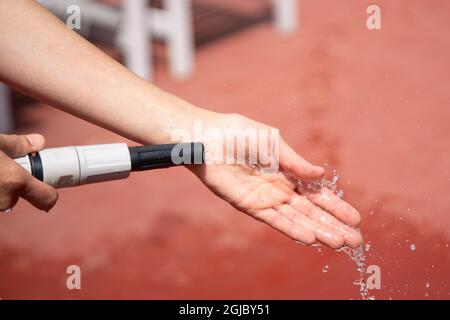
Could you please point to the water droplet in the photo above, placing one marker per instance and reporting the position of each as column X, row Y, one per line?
column 325, row 269
column 412, row 247
column 358, row 256
column 367, row 247
column 427, row 285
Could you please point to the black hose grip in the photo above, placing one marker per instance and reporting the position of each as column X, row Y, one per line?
column 37, row 170
column 166, row 155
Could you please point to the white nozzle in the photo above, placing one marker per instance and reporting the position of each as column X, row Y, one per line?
column 72, row 166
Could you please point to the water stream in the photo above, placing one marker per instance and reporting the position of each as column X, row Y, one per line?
column 357, row 255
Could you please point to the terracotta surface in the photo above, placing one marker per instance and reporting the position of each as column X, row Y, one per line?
column 374, row 105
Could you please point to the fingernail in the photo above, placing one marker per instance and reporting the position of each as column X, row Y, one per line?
column 319, row 169
column 29, row 139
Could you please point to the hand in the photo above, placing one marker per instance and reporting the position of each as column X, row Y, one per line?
column 15, row 181
column 276, row 198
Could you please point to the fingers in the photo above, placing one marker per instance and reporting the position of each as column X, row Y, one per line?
column 296, row 166
column 39, row 194
column 331, row 203
column 281, row 223
column 17, row 146
column 322, row 233
column 297, row 226
column 351, row 236
column 7, row 200
column 15, row 182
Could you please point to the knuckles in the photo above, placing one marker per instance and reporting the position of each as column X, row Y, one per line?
column 15, row 180
column 13, row 184
column 8, row 201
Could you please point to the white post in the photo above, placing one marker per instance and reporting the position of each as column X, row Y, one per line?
column 134, row 38
column 286, row 15
column 6, row 123
column 180, row 37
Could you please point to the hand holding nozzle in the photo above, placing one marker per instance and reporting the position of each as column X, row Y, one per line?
column 15, row 182
column 74, row 166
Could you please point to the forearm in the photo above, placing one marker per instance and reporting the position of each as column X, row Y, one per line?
column 42, row 58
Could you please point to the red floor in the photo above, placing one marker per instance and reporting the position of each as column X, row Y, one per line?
column 374, row 105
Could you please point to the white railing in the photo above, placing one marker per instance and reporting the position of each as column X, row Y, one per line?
column 137, row 23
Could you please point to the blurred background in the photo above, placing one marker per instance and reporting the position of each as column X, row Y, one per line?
column 371, row 104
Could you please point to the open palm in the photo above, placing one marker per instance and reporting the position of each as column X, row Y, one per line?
column 277, row 200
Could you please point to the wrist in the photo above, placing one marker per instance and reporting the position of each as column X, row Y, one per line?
column 158, row 117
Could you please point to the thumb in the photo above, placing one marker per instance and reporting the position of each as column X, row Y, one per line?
column 20, row 145
column 294, row 165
